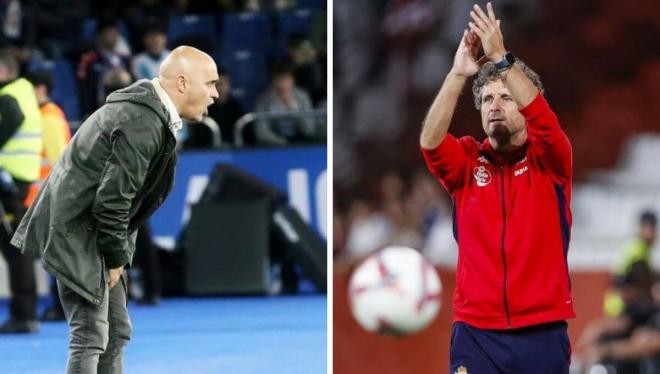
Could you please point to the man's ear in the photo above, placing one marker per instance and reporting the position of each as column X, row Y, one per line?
column 181, row 83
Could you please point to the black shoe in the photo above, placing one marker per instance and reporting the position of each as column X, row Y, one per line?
column 17, row 326
column 53, row 314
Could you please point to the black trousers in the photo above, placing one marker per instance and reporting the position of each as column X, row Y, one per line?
column 146, row 258
column 22, row 282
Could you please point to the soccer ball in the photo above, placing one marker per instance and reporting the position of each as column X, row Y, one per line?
column 395, row 291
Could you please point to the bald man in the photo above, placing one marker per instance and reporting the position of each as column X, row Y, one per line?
column 116, row 171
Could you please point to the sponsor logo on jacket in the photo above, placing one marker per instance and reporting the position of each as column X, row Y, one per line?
column 482, row 175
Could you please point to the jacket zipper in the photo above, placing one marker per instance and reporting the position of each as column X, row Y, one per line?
column 506, row 303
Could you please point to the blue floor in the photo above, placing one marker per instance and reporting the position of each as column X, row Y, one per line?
column 210, row 335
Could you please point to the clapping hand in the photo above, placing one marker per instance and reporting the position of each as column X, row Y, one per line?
column 487, row 28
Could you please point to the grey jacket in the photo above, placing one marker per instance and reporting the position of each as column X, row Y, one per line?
column 117, row 170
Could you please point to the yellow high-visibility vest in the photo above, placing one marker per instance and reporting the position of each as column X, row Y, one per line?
column 21, row 155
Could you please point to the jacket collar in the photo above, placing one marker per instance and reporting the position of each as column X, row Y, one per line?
column 517, row 155
column 175, row 119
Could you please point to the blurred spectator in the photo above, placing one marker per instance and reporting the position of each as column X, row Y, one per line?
column 636, row 250
column 20, row 160
column 115, row 79
column 147, row 63
column 400, row 216
column 282, row 4
column 284, row 96
column 249, row 5
column 630, row 342
column 94, row 65
column 308, row 72
column 25, row 53
column 367, row 229
column 56, row 135
column 56, row 131
column 12, row 17
column 396, row 209
column 226, row 110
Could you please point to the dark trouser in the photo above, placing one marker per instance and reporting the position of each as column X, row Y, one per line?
column 57, row 304
column 97, row 334
column 146, row 258
column 538, row 349
column 22, row 282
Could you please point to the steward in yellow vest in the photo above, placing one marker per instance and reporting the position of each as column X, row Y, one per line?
column 20, row 142
column 20, row 163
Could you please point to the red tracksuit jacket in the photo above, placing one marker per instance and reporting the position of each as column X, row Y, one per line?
column 512, row 222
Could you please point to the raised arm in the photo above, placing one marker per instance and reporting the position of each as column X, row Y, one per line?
column 487, row 27
column 441, row 112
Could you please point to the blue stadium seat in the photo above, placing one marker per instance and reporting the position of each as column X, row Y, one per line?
column 191, row 26
column 290, row 22
column 90, row 25
column 246, row 30
column 65, row 92
column 248, row 72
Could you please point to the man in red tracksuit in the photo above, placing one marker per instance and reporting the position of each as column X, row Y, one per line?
column 511, row 195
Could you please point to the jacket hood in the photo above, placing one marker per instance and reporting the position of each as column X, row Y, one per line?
column 141, row 92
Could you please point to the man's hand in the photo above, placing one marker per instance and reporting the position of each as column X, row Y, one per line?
column 487, row 27
column 465, row 60
column 114, row 275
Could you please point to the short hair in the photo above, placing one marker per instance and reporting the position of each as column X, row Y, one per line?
column 489, row 73
column 648, row 217
column 106, row 23
column 154, row 27
column 9, row 61
column 281, row 69
column 41, row 77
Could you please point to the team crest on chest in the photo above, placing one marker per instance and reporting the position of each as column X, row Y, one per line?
column 482, row 175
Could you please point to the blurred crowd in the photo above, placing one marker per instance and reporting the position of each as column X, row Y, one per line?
column 398, row 209
column 107, row 45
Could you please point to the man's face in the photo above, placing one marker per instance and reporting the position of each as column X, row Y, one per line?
column 284, row 85
column 647, row 232
column 41, row 92
column 155, row 42
column 108, row 38
column 500, row 117
column 200, row 91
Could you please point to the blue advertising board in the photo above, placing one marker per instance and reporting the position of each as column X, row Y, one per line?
column 298, row 171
